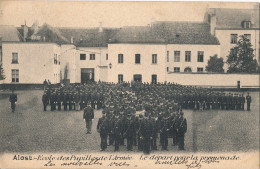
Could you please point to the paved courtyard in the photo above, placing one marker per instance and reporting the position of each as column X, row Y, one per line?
column 30, row 129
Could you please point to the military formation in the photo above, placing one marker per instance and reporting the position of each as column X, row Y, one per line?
column 139, row 114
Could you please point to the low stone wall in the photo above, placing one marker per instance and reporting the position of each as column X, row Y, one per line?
column 215, row 80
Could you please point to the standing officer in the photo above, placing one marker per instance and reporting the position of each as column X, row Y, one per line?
column 154, row 132
column 13, row 100
column 88, row 116
column 139, row 141
column 52, row 101
column 174, row 129
column 182, row 129
column 164, row 128
column 102, row 128
column 129, row 132
column 44, row 100
column 116, row 131
column 248, row 101
column 146, row 133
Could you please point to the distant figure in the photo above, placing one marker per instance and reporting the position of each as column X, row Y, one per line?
column 45, row 84
column 13, row 100
column 248, row 101
column 182, row 129
column 88, row 116
column 45, row 100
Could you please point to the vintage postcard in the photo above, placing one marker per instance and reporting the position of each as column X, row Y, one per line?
column 102, row 84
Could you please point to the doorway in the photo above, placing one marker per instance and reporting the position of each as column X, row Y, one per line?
column 87, row 75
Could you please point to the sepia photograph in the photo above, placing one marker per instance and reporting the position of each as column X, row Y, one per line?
column 102, row 84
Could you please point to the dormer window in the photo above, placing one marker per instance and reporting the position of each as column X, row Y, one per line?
column 246, row 24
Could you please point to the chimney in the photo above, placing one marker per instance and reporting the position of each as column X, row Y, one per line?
column 213, row 21
column 25, row 32
column 100, row 27
column 71, row 39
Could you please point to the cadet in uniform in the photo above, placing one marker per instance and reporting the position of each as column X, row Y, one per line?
column 248, row 101
column 44, row 100
column 155, row 127
column 116, row 131
column 182, row 129
column 88, row 116
column 102, row 128
column 129, row 132
column 13, row 100
column 164, row 129
column 146, row 133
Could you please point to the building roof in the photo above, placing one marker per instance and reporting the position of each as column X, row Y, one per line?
column 48, row 33
column 136, row 34
column 167, row 32
column 9, row 33
column 233, row 18
column 185, row 33
column 88, row 37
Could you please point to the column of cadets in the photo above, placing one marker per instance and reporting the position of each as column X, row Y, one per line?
column 138, row 112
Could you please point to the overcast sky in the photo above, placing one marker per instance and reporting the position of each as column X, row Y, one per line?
column 111, row 14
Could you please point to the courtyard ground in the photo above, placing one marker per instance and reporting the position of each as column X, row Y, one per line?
column 30, row 129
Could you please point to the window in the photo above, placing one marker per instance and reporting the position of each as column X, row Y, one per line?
column 92, row 57
column 200, row 56
column 120, row 78
column 200, row 69
column 59, row 60
column 248, row 36
column 15, row 75
column 55, row 59
column 167, row 69
column 246, row 24
column 154, row 58
column 137, row 58
column 107, row 56
column 120, row 58
column 154, row 79
column 14, row 58
column 233, row 38
column 176, row 69
column 187, row 69
column 167, row 56
column 82, row 56
column 177, row 56
column 187, row 56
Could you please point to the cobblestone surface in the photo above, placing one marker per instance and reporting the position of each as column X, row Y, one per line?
column 30, row 129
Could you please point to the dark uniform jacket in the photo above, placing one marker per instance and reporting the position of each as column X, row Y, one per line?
column 146, row 128
column 13, row 98
column 103, row 126
column 116, row 126
column 88, row 113
column 182, row 126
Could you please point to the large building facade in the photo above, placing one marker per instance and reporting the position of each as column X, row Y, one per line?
column 145, row 53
